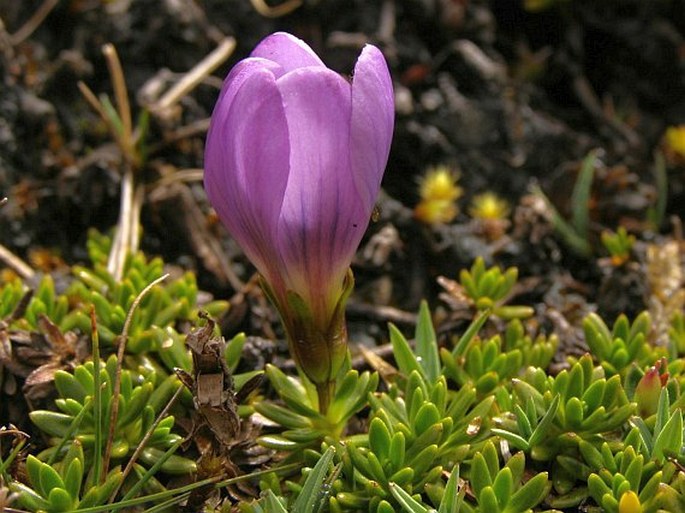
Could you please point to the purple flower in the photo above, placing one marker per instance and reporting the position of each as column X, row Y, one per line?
column 293, row 164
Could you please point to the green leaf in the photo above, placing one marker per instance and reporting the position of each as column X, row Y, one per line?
column 100, row 494
column 565, row 229
column 517, row 465
column 33, row 467
column 73, row 478
column 311, row 493
column 173, row 464
column 49, row 479
column 29, row 498
column 345, row 394
column 470, row 333
column 487, row 500
column 591, row 455
column 291, row 391
column 408, row 503
column 60, row 500
column 69, row 387
column 670, row 440
column 529, row 495
column 503, row 486
column 516, row 440
column 405, row 358
column 282, row 415
column 385, row 507
column 233, row 351
column 545, row 423
column 360, row 462
column 598, row 488
column 491, row 458
column 451, row 498
column 487, row 382
column 522, row 422
column 397, row 450
column 574, row 413
column 134, row 408
column 51, row 423
column 594, row 395
column 424, row 459
column 273, row 504
column 580, row 197
column 480, row 474
column 662, row 412
column 597, row 336
column 379, row 439
column 403, row 476
column 377, row 472
column 634, row 472
column 426, row 344
column 650, row 488
column 427, row 416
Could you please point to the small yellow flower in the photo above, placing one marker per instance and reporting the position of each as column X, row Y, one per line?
column 629, row 503
column 488, row 206
column 675, row 139
column 439, row 192
column 436, row 211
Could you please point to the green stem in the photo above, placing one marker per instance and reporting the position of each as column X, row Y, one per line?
column 325, row 392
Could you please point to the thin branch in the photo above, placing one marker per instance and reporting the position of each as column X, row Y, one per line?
column 199, row 72
column 120, row 93
column 122, row 237
column 182, row 175
column 23, row 269
column 33, row 22
column 96, row 105
column 276, row 11
column 143, row 442
column 116, row 388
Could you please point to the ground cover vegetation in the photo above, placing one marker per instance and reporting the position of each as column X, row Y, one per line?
column 509, row 336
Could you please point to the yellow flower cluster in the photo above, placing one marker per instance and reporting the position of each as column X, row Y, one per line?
column 439, row 193
column 488, row 206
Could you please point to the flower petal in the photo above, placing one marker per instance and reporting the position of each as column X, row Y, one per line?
column 288, row 51
column 234, row 81
column 322, row 220
column 246, row 163
column 373, row 117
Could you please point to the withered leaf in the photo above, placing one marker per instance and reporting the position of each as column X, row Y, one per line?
column 211, row 383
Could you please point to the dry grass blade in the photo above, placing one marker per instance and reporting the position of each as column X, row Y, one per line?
column 116, row 388
column 120, row 94
column 143, row 442
column 33, row 22
column 199, row 72
column 15, row 263
column 276, row 11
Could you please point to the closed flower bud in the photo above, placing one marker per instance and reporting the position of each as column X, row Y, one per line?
column 294, row 158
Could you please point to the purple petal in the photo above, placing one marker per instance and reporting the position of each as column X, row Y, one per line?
column 246, row 162
column 240, row 72
column 322, row 219
column 288, row 51
column 373, row 116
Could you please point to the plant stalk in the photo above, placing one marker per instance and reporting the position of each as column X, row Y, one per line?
column 325, row 391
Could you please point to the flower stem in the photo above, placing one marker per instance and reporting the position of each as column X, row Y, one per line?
column 325, row 392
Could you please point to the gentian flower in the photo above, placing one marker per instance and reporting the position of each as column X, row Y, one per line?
column 294, row 158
